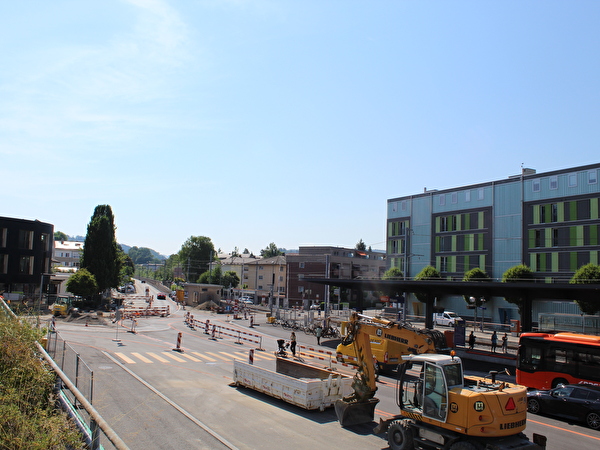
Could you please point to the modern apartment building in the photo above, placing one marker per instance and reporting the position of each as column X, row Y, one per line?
column 548, row 221
column 25, row 257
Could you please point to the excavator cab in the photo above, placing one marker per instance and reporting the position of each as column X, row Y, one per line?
column 425, row 382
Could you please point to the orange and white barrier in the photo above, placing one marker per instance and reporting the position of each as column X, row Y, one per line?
column 178, row 348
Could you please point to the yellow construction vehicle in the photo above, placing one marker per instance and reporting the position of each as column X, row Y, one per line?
column 439, row 406
column 389, row 341
column 62, row 306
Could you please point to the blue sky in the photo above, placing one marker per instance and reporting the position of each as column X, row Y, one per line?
column 292, row 122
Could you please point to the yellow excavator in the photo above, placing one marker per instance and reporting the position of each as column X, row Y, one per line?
column 439, row 406
column 389, row 340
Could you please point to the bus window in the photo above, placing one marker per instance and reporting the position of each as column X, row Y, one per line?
column 531, row 358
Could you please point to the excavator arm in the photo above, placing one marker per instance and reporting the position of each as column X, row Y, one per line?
column 359, row 407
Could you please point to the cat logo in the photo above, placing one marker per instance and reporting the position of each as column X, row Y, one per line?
column 453, row 407
column 479, row 406
column 379, row 332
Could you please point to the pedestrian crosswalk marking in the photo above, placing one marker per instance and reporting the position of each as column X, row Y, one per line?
column 142, row 357
column 126, row 359
column 218, row 356
column 204, row 357
column 176, row 358
column 191, row 358
column 157, row 357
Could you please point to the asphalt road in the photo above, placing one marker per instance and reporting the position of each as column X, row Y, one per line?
column 158, row 398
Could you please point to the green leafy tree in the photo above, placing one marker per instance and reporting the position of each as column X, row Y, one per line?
column 270, row 251
column 60, row 236
column 517, row 274
column 127, row 266
column 195, row 256
column 427, row 273
column 100, row 254
column 83, row 284
column 590, row 273
column 475, row 275
column 230, row 278
column 211, row 276
column 393, row 273
column 141, row 255
column 360, row 245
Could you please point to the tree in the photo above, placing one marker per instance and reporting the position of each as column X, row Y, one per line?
column 82, row 283
column 127, row 266
column 141, row 255
column 60, row 236
column 475, row 275
column 393, row 273
column 99, row 253
column 517, row 274
column 195, row 256
column 230, row 278
column 270, row 251
column 360, row 245
column 427, row 273
column 211, row 276
column 590, row 273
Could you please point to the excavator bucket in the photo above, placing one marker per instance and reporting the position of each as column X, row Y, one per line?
column 355, row 413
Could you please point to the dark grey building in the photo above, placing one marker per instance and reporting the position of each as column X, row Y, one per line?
column 26, row 248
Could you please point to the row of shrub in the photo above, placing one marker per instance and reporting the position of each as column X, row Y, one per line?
column 29, row 416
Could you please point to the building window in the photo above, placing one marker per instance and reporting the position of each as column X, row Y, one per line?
column 300, row 276
column 26, row 265
column 553, row 182
column 592, row 177
column 536, row 185
column 444, row 264
column 444, row 223
column 554, row 212
column 554, row 237
column 260, row 277
column 539, row 238
column 403, row 205
column 572, row 180
column 454, row 198
column 3, row 264
column 394, row 206
column 442, row 200
column 480, row 195
column 25, row 239
column 467, row 196
column 301, row 265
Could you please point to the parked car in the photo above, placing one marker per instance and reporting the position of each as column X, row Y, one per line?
column 447, row 318
column 579, row 402
column 161, row 296
column 246, row 300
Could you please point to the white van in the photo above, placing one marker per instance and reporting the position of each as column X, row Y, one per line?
column 447, row 318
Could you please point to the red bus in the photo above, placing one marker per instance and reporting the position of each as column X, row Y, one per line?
column 545, row 360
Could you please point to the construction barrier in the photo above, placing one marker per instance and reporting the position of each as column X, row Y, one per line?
column 219, row 332
column 251, row 356
column 178, row 348
column 328, row 356
column 144, row 311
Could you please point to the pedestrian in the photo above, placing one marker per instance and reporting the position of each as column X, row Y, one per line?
column 318, row 333
column 471, row 341
column 251, row 321
column 505, row 343
column 494, row 339
column 293, row 343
